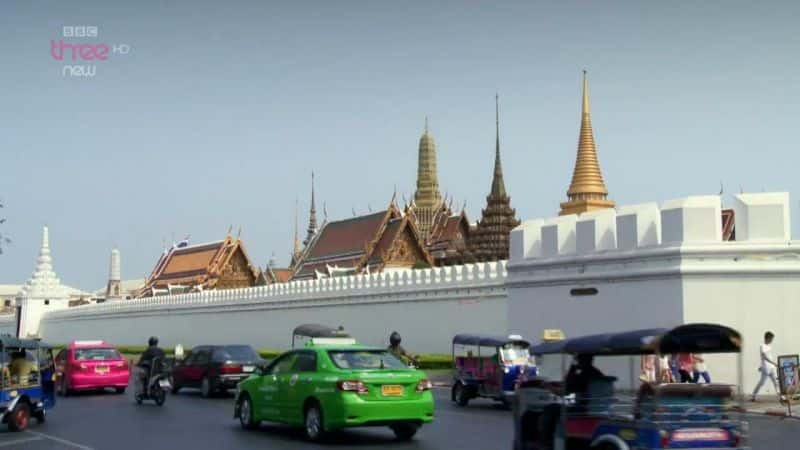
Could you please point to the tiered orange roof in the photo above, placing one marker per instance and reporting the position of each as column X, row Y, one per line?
column 371, row 242
column 216, row 265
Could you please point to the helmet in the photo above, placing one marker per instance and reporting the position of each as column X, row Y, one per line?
column 153, row 341
column 395, row 338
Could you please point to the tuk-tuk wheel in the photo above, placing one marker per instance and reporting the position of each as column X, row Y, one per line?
column 19, row 418
column 460, row 395
column 40, row 416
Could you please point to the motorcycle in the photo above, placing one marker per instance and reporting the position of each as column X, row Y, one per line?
column 157, row 384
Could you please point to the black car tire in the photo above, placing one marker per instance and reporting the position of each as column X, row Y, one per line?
column 20, row 416
column 119, row 390
column 40, row 416
column 314, row 423
column 405, row 432
column 175, row 389
column 246, row 413
column 460, row 394
column 205, row 388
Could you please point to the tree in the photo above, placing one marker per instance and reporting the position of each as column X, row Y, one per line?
column 4, row 240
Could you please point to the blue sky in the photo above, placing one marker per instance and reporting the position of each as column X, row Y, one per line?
column 221, row 110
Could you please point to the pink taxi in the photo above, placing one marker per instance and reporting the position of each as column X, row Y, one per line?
column 91, row 365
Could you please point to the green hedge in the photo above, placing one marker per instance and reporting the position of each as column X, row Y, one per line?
column 426, row 361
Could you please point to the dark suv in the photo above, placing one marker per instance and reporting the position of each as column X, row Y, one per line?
column 215, row 368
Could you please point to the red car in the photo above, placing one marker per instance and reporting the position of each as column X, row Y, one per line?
column 91, row 365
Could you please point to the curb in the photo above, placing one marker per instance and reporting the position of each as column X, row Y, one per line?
column 774, row 413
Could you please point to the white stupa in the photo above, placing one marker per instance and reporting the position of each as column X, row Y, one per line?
column 42, row 292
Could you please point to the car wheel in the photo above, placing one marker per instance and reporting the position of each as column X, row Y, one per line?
column 246, row 413
column 20, row 416
column 313, row 423
column 460, row 395
column 175, row 389
column 119, row 390
column 205, row 388
column 405, row 432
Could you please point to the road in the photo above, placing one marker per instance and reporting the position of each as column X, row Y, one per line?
column 187, row 421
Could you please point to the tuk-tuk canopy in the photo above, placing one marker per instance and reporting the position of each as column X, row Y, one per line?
column 488, row 341
column 701, row 338
column 319, row 331
column 9, row 341
column 690, row 338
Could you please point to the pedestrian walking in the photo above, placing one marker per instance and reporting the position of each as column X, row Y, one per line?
column 767, row 366
column 685, row 363
column 699, row 367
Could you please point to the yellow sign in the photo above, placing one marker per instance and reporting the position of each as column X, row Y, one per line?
column 552, row 335
column 12, row 394
column 627, row 434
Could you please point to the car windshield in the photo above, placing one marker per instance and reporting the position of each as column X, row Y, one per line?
column 235, row 353
column 515, row 354
column 96, row 354
column 365, row 359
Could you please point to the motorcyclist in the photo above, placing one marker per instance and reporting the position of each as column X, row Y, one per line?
column 398, row 351
column 145, row 363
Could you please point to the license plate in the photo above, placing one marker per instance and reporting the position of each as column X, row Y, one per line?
column 248, row 369
column 392, row 390
column 700, row 434
column 164, row 383
column 101, row 369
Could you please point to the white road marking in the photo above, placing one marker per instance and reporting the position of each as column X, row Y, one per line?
column 19, row 441
column 59, row 440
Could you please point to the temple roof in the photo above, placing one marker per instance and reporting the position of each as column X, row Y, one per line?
column 353, row 243
column 195, row 265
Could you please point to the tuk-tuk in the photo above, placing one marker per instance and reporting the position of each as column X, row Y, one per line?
column 27, row 381
column 320, row 333
column 585, row 410
column 489, row 367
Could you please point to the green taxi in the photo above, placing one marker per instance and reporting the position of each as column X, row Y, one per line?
column 333, row 383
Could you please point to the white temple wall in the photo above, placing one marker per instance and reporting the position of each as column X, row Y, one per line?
column 668, row 265
column 752, row 304
column 428, row 307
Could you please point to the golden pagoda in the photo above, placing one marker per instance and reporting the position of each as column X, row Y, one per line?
column 587, row 192
column 427, row 198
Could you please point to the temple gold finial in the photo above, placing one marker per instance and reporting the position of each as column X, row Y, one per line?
column 587, row 191
column 426, row 124
column 585, row 92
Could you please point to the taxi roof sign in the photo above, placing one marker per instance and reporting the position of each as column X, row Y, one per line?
column 332, row 341
column 553, row 335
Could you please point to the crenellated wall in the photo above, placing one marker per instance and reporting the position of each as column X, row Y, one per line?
column 427, row 306
column 648, row 265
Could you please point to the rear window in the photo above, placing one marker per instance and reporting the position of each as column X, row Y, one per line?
column 365, row 359
column 96, row 354
column 235, row 353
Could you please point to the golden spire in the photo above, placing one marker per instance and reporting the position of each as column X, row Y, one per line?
column 587, row 191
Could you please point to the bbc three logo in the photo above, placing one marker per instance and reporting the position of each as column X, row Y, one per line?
column 82, row 57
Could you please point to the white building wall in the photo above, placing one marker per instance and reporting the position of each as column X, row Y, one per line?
column 669, row 266
column 8, row 324
column 426, row 306
column 752, row 304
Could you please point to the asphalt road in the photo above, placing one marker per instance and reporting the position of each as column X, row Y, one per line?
column 187, row 421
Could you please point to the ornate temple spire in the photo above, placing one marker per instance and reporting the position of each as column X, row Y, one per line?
column 427, row 198
column 312, row 216
column 489, row 241
column 114, row 276
column 296, row 243
column 427, row 194
column 587, row 191
column 498, row 185
column 44, row 284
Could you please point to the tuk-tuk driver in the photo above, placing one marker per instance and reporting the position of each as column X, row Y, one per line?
column 20, row 367
column 580, row 374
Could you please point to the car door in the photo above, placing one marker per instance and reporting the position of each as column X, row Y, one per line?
column 270, row 399
column 299, row 385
